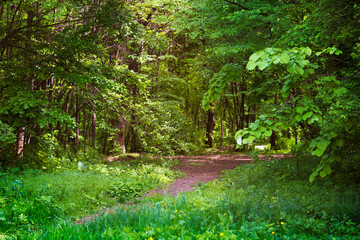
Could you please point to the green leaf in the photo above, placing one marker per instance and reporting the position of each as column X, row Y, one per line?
column 262, row 129
column 254, row 126
column 238, row 134
column 313, row 144
column 257, row 134
column 339, row 142
column 285, row 94
column 302, row 63
column 262, row 65
column 340, row 91
column 325, row 171
column 284, row 58
column 286, row 88
column 248, row 139
column 308, row 51
column 313, row 175
column 301, row 109
column 277, row 61
column 317, row 152
column 307, row 115
column 299, row 70
column 291, row 68
column 255, row 56
column 298, row 118
column 322, row 144
column 251, row 65
column 216, row 97
column 267, row 133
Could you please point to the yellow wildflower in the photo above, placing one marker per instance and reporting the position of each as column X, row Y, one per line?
column 221, row 234
column 272, row 232
column 282, row 223
column 151, row 238
column 176, row 211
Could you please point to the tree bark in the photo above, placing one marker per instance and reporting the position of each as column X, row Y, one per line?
column 120, row 135
column 77, row 118
column 21, row 141
column 93, row 129
column 210, row 125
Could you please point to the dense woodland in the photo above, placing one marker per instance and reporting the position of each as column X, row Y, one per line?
column 171, row 76
column 81, row 79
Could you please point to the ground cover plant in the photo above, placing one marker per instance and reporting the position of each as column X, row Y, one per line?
column 32, row 199
column 265, row 200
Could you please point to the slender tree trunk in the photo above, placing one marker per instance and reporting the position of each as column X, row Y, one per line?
column 84, row 130
column 77, row 118
column 210, row 125
column 273, row 140
column 273, row 135
column 21, row 141
column 135, row 66
column 133, row 138
column 242, row 111
column 94, row 129
column 248, row 117
column 254, row 113
column 120, row 135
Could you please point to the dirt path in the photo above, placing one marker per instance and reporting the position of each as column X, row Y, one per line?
column 197, row 169
column 203, row 169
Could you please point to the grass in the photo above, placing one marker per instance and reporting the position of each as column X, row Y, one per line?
column 265, row 200
column 31, row 200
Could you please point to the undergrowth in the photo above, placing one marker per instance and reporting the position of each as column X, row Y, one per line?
column 265, row 200
column 32, row 199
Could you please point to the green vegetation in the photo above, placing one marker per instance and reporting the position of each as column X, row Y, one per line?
column 33, row 199
column 265, row 200
column 82, row 79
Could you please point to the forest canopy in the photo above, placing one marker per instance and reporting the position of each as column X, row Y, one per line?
column 166, row 77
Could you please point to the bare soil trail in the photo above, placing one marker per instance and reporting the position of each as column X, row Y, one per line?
column 205, row 168
column 197, row 169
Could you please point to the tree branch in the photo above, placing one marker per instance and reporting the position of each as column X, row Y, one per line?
column 237, row 4
column 244, row 8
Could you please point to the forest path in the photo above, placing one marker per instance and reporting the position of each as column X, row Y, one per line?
column 197, row 169
column 202, row 169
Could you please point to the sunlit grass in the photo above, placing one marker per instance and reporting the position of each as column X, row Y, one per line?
column 265, row 200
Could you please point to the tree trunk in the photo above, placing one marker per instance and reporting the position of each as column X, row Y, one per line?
column 242, row 111
column 94, row 129
column 21, row 141
column 273, row 135
column 210, row 125
column 273, row 140
column 120, row 135
column 84, row 130
column 77, row 118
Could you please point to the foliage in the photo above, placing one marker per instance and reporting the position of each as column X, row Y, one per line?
column 256, row 201
column 163, row 129
column 34, row 199
column 299, row 72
